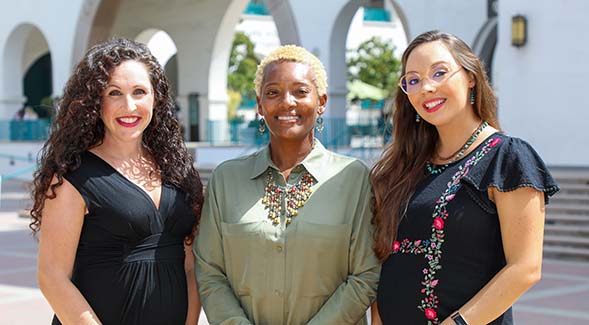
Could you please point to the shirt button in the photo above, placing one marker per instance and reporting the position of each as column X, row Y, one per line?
column 279, row 249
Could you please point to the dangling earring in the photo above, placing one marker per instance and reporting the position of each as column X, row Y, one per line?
column 319, row 124
column 262, row 126
column 472, row 96
column 417, row 118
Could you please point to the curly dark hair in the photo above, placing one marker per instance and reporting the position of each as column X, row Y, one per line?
column 78, row 126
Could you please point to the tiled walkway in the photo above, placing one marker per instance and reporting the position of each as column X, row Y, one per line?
column 561, row 297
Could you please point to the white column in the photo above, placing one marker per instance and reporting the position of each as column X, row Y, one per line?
column 9, row 105
column 183, row 114
column 218, row 119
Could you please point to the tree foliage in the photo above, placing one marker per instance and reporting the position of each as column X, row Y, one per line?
column 374, row 63
column 242, row 66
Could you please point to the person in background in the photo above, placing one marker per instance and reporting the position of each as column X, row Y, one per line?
column 285, row 236
column 459, row 209
column 116, row 197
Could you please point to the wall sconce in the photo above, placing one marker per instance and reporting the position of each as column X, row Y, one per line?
column 519, row 30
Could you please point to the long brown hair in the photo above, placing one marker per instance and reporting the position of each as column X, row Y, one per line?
column 78, row 126
column 401, row 166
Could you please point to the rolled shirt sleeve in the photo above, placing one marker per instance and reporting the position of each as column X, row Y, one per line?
column 217, row 297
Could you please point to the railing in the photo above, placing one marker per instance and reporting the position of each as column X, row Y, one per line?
column 376, row 14
column 337, row 132
column 24, row 130
column 256, row 8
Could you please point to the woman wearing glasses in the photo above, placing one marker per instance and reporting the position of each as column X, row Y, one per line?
column 459, row 206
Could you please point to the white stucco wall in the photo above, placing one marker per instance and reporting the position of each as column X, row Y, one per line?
column 542, row 86
column 462, row 18
column 55, row 20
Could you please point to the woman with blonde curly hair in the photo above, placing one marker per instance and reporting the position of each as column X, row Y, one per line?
column 116, row 197
column 285, row 236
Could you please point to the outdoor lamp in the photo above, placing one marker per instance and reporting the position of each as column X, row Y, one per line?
column 519, row 30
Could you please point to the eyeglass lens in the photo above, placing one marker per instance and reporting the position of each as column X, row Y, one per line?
column 412, row 81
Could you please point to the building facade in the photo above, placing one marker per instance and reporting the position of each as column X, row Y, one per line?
column 539, row 84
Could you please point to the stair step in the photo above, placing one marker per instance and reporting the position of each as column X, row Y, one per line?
column 569, row 208
column 570, row 198
column 579, row 230
column 205, row 173
column 567, row 240
column 570, row 174
column 581, row 179
column 573, row 188
column 566, row 252
column 553, row 218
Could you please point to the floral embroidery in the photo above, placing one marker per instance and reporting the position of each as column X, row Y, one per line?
column 411, row 247
column 432, row 247
column 431, row 313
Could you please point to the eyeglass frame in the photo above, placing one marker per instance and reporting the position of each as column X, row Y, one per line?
column 452, row 74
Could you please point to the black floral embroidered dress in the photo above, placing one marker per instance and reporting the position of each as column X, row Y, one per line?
column 449, row 242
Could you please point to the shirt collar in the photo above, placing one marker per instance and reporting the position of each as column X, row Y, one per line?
column 313, row 163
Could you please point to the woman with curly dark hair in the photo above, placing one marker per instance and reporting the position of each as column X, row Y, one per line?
column 116, row 197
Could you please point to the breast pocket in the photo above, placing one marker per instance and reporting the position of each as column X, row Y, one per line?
column 243, row 248
column 321, row 257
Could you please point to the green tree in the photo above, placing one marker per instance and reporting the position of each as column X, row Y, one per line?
column 242, row 66
column 374, row 63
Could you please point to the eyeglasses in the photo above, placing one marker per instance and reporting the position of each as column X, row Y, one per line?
column 412, row 82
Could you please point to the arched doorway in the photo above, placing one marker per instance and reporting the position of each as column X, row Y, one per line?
column 486, row 39
column 26, row 84
column 356, row 22
column 26, row 60
column 255, row 37
column 37, row 86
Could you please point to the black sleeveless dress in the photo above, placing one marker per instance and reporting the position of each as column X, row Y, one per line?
column 130, row 259
column 449, row 242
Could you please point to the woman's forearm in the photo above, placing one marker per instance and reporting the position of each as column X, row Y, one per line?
column 499, row 294
column 194, row 305
column 66, row 300
column 374, row 316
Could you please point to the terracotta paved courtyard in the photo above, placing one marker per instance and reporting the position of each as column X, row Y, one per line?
column 561, row 297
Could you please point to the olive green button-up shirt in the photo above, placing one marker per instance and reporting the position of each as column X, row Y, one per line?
column 319, row 269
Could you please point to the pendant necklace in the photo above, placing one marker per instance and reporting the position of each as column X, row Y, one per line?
column 433, row 169
column 295, row 197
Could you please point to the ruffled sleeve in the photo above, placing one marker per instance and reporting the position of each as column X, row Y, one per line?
column 515, row 164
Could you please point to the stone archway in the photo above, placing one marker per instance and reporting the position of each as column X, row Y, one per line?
column 202, row 31
column 285, row 21
column 485, row 43
column 93, row 26
column 163, row 47
column 25, row 45
column 217, row 97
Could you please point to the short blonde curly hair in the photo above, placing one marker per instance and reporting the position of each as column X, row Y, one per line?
column 293, row 53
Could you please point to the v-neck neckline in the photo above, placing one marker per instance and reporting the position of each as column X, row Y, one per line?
column 133, row 185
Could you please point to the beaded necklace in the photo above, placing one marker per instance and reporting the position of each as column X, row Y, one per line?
column 457, row 155
column 295, row 197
